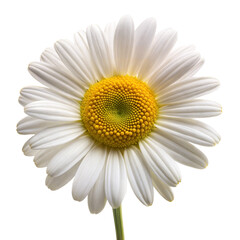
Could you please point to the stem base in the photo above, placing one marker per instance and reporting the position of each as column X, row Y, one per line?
column 117, row 214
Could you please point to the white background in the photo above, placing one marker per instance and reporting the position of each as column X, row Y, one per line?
column 206, row 204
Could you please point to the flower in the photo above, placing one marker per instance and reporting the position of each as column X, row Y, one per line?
column 118, row 105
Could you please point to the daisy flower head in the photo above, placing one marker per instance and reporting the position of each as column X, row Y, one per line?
column 118, row 105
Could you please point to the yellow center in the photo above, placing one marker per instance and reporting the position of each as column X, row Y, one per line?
column 119, row 111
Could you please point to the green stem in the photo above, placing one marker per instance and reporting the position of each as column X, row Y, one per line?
column 117, row 214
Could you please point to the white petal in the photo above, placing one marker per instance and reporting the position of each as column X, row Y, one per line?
column 52, row 111
column 115, row 178
column 189, row 130
column 57, row 135
column 162, row 188
column 55, row 183
column 81, row 42
column 29, row 125
column 35, row 93
column 69, row 155
column 27, row 150
column 144, row 36
column 162, row 45
column 173, row 71
column 192, row 109
column 109, row 32
column 23, row 101
column 99, row 51
column 179, row 149
column 179, row 52
column 88, row 172
column 53, row 77
column 50, row 56
column 74, row 61
column 191, row 88
column 83, row 49
column 96, row 197
column 195, row 68
column 138, row 175
column 43, row 157
column 160, row 162
column 123, row 44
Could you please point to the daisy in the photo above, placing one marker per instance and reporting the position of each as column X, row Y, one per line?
column 118, row 105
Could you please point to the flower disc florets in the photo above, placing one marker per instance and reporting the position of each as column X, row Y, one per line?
column 119, row 111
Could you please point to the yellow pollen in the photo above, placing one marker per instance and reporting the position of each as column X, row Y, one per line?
column 119, row 111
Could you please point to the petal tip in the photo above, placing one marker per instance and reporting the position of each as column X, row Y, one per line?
column 171, row 200
column 126, row 18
